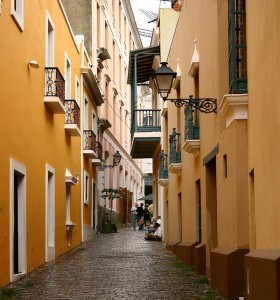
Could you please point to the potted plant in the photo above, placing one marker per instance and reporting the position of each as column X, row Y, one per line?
column 109, row 194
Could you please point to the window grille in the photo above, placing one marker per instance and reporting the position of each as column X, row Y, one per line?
column 237, row 47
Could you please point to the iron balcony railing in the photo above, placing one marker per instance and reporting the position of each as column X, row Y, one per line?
column 174, row 147
column 237, row 47
column 146, row 120
column 191, row 124
column 99, row 150
column 72, row 115
column 149, row 180
column 89, row 140
column 163, row 166
column 55, row 84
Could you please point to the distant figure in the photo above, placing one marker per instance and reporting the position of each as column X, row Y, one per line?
column 140, row 216
column 147, row 216
column 134, row 217
column 155, row 236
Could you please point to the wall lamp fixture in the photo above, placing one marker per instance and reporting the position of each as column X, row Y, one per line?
column 164, row 77
column 116, row 160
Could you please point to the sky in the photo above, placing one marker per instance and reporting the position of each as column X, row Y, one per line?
column 141, row 19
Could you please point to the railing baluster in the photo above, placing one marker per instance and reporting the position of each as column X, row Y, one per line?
column 55, row 84
column 72, row 115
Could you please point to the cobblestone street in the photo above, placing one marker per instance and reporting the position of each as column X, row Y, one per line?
column 113, row 266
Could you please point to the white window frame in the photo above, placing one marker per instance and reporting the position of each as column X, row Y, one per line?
column 49, row 214
column 49, row 59
column 17, row 14
column 67, row 76
column 21, row 169
column 77, row 90
column 86, row 187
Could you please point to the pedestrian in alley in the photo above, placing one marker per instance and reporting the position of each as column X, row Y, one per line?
column 140, row 216
column 134, row 217
column 147, row 216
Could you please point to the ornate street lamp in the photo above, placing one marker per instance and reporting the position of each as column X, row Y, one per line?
column 116, row 160
column 164, row 77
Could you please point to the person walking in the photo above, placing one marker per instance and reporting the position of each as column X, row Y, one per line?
column 147, row 216
column 134, row 217
column 140, row 215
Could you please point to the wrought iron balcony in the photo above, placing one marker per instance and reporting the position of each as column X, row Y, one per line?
column 191, row 124
column 163, row 168
column 145, row 132
column 149, row 180
column 90, row 144
column 98, row 160
column 175, row 147
column 146, row 120
column 54, row 90
column 192, row 136
column 72, row 118
column 175, row 152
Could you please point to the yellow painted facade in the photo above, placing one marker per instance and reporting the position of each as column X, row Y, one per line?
column 54, row 98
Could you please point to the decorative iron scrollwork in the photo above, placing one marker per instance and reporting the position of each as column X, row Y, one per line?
column 205, row 105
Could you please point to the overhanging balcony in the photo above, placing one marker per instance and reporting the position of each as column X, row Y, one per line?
column 192, row 132
column 175, row 152
column 146, row 132
column 98, row 160
column 54, row 91
column 90, row 144
column 163, row 170
column 72, row 118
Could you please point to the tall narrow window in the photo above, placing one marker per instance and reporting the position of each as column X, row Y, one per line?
column 50, row 213
column 86, row 114
column 86, row 187
column 17, row 12
column 78, row 92
column 237, row 47
column 225, row 165
column 67, row 79
column 50, row 44
column 18, row 219
column 199, row 220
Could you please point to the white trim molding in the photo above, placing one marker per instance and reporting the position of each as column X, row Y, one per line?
column 20, row 170
column 234, row 107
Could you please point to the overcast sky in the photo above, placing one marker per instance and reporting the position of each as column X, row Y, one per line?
column 141, row 19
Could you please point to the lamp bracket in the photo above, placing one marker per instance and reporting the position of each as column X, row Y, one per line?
column 205, row 105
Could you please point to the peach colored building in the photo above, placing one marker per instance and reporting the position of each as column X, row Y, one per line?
column 218, row 170
column 110, row 33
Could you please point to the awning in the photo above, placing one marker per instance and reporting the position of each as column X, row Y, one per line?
column 145, row 58
column 147, row 198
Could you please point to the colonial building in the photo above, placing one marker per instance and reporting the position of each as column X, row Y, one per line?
column 220, row 179
column 57, row 104
column 110, row 33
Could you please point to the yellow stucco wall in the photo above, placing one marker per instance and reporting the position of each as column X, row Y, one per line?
column 263, row 130
column 31, row 134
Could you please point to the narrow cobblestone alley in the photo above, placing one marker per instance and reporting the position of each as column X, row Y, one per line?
column 113, row 266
